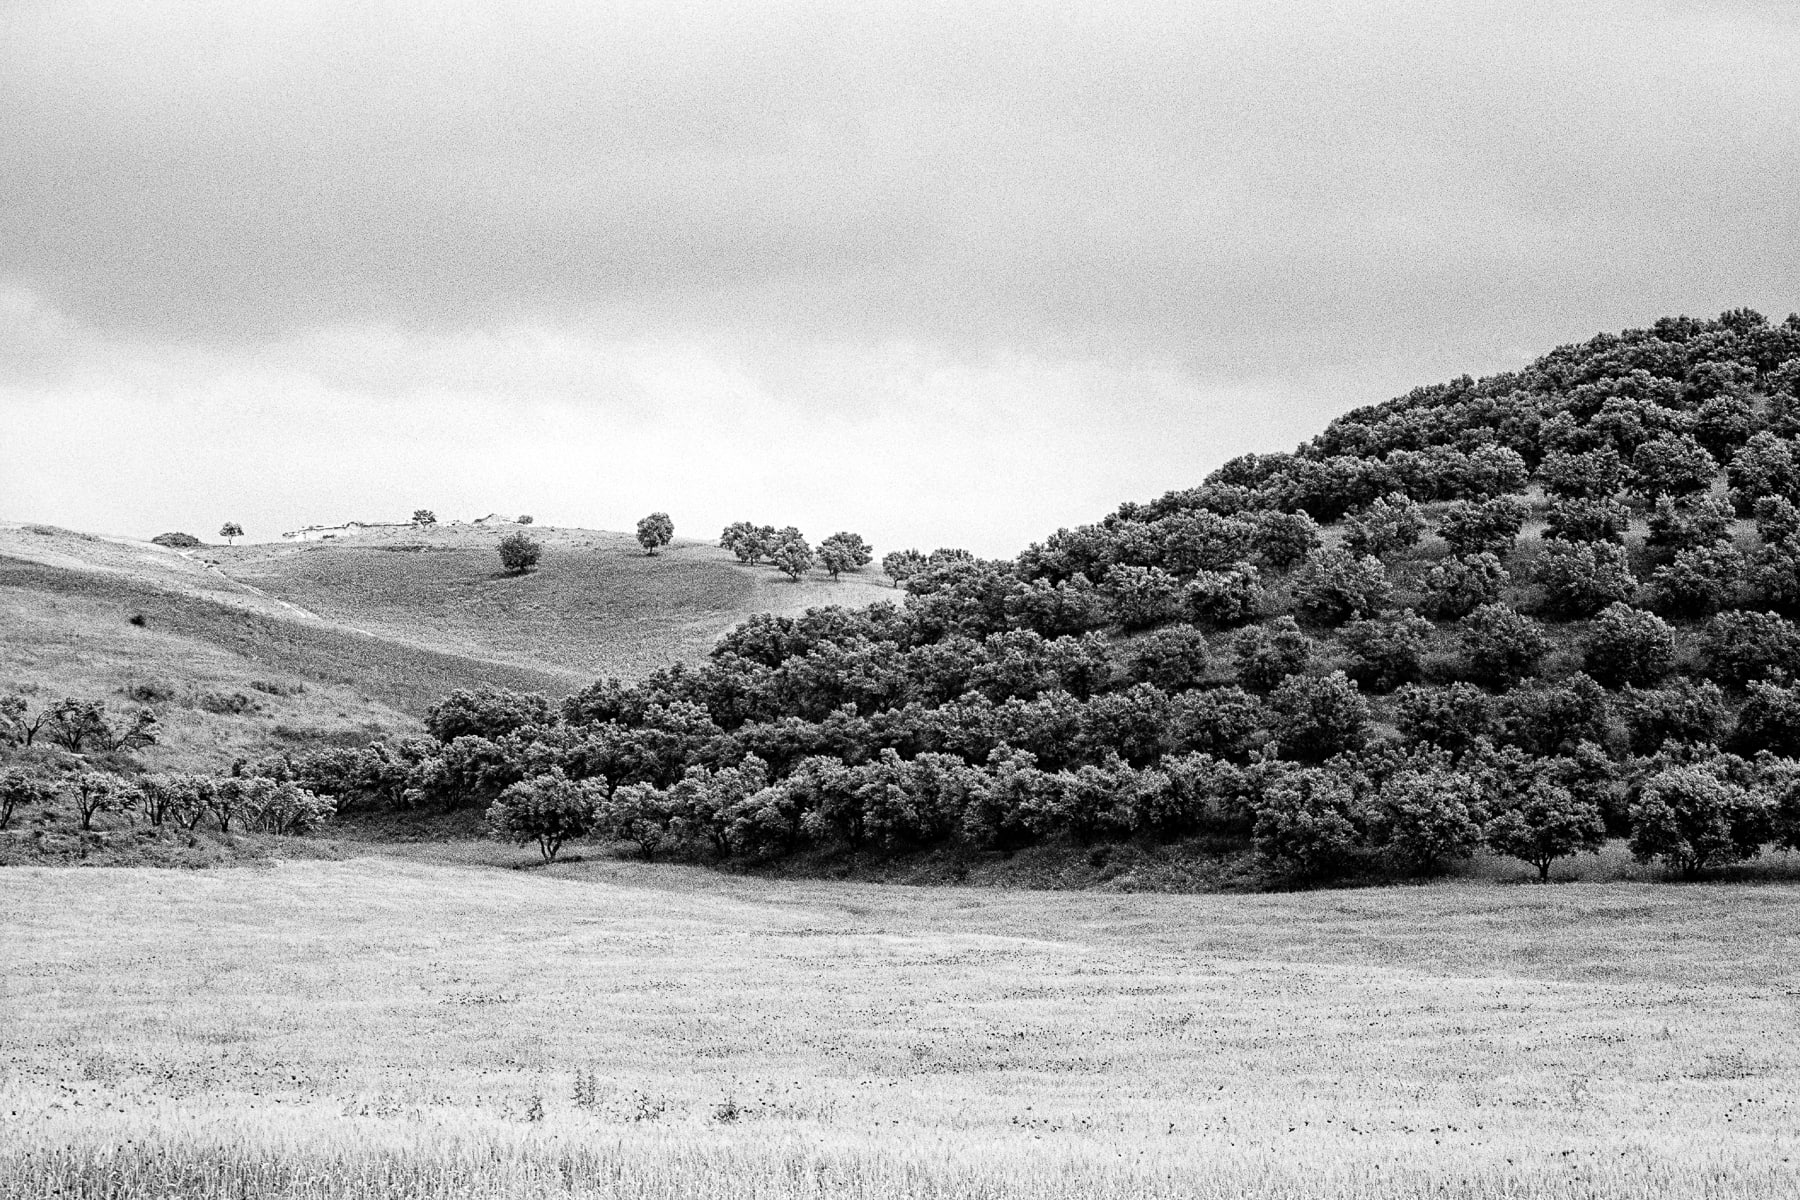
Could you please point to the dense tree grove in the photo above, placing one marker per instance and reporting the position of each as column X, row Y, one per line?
column 1522, row 613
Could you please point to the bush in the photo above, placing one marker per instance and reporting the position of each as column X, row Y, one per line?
column 1502, row 646
column 655, row 530
column 1582, row 520
column 1452, row 717
column 1334, row 586
column 1777, row 520
column 525, row 519
column 1315, row 718
column 177, row 541
column 1553, row 718
column 1594, row 475
column 1547, row 823
column 1285, row 540
column 1741, row 646
column 1775, row 574
column 1490, row 527
column 1691, row 819
column 1387, row 651
column 486, row 712
column 1387, row 526
column 1458, row 586
column 519, row 553
column 1225, row 599
column 1766, row 466
column 423, row 517
column 1683, row 713
column 1427, row 818
column 1687, row 524
column 1581, row 578
column 1671, row 465
column 1307, row 824
column 549, row 809
column 1172, row 659
column 1267, row 654
column 1631, row 646
column 1141, row 597
column 844, row 552
column 1696, row 581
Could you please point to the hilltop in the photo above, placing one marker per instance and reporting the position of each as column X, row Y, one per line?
column 249, row 649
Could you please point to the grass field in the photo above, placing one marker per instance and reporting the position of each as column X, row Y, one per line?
column 417, row 1027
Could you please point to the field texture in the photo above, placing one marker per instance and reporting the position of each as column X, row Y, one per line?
column 423, row 1028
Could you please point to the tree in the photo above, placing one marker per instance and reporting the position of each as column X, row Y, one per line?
column 1687, row 524
column 1691, row 819
column 844, row 552
column 1173, row 659
column 486, row 712
column 1457, row 587
column 1581, row 578
column 1141, row 597
column 423, row 517
column 791, row 555
column 95, row 792
column 231, row 530
column 1671, row 465
column 901, row 565
column 1696, row 581
column 1390, row 524
column 655, row 530
column 1594, row 475
column 1427, row 818
column 1683, row 713
column 1452, row 717
column 519, row 553
column 1547, row 823
column 1386, row 651
column 1502, row 646
column 1335, row 586
column 1489, row 527
column 1284, row 539
column 1315, row 718
column 1741, row 646
column 1267, row 654
column 1225, row 599
column 525, row 519
column 1307, row 824
column 549, row 809
column 1631, row 646
column 19, row 790
column 1576, row 519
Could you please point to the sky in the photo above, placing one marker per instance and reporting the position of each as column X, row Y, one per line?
column 943, row 274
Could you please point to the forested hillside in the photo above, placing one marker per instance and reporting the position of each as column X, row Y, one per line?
column 1526, row 612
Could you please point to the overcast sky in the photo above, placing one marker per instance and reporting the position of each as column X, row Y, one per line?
column 946, row 274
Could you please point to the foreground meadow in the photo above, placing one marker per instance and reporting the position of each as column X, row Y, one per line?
column 381, row 1026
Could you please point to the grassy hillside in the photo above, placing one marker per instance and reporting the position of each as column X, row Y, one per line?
column 340, row 1029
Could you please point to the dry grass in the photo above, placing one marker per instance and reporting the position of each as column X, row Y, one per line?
column 379, row 1026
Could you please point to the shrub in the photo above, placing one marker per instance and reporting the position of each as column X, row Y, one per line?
column 1189, row 542
column 177, row 541
column 1687, row 524
column 1777, row 520
column 1389, row 525
column 1490, row 527
column 1684, row 712
column 524, row 519
column 1691, row 819
column 485, row 712
column 1217, row 721
column 1458, row 586
column 1741, row 646
column 1267, row 654
column 1334, row 586
column 1225, row 599
column 1671, row 465
column 1775, row 574
column 1502, row 646
column 1172, row 659
column 791, row 555
column 901, row 565
column 655, row 530
column 844, row 552
column 549, row 809
column 1285, row 540
column 1547, row 823
column 1581, row 578
column 1452, row 717
column 1427, row 818
column 1766, row 466
column 1315, row 718
column 1307, row 824
column 1386, row 651
column 1696, row 581
column 1629, row 645
column 1578, row 519
column 423, row 517
column 1141, row 597
column 519, row 553
column 1593, row 475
